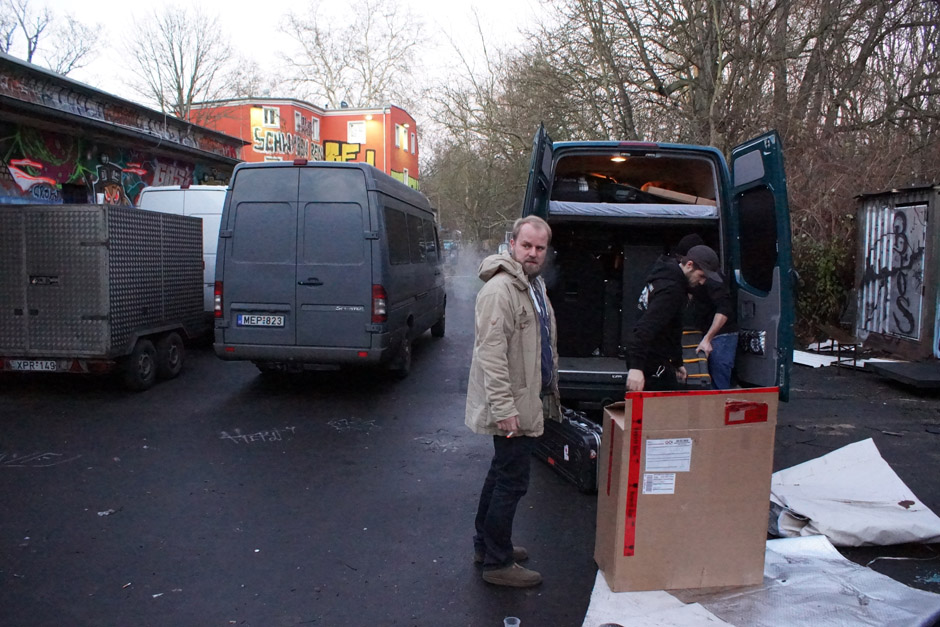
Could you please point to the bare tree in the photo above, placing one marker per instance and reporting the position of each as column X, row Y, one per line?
column 365, row 59
column 61, row 43
column 75, row 46
column 181, row 58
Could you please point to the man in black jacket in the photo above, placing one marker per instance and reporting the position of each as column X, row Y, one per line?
column 712, row 312
column 654, row 349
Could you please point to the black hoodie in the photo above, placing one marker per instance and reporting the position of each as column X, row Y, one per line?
column 657, row 335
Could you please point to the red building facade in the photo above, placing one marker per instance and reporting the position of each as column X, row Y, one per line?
column 285, row 129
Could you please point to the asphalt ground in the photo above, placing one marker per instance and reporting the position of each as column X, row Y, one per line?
column 225, row 497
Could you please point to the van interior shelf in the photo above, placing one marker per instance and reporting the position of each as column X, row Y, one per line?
column 567, row 208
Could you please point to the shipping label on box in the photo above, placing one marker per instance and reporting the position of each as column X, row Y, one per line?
column 684, row 482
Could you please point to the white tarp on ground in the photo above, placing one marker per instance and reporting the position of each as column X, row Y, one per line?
column 853, row 497
column 806, row 583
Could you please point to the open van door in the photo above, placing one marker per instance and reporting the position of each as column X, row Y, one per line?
column 761, row 257
column 540, row 176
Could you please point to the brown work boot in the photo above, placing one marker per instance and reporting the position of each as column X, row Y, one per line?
column 519, row 554
column 514, row 576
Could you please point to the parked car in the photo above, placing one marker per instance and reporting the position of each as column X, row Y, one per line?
column 614, row 207
column 325, row 264
column 451, row 251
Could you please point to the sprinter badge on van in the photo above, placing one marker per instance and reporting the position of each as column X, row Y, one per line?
column 255, row 320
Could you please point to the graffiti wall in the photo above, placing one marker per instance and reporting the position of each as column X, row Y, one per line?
column 891, row 293
column 269, row 137
column 50, row 168
column 25, row 85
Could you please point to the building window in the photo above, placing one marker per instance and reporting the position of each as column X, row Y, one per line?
column 414, row 143
column 356, row 132
column 272, row 117
column 401, row 136
column 315, row 134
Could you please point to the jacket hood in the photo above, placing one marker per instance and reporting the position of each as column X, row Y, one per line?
column 667, row 268
column 503, row 262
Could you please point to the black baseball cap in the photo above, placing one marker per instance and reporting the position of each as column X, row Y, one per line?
column 706, row 259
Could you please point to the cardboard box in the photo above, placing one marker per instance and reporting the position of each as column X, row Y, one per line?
column 684, row 489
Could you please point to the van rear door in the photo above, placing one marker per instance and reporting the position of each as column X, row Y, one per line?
column 759, row 230
column 261, row 257
column 540, row 176
column 334, row 258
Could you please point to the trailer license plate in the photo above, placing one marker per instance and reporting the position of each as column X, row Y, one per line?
column 254, row 320
column 32, row 365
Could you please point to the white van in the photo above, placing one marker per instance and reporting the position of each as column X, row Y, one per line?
column 201, row 201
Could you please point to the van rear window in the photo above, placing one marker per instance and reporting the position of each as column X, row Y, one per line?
column 264, row 232
column 333, row 233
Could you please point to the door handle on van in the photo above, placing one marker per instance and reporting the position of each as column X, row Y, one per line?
column 311, row 281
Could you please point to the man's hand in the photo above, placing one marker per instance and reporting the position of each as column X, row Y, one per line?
column 705, row 346
column 681, row 374
column 635, row 380
column 511, row 425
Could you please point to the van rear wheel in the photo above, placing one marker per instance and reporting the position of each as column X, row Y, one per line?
column 169, row 355
column 401, row 366
column 140, row 368
column 437, row 329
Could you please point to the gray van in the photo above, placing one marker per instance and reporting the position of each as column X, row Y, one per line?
column 325, row 264
column 615, row 207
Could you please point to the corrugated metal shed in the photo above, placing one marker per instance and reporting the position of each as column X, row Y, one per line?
column 898, row 270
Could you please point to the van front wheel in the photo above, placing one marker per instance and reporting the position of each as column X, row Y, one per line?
column 437, row 329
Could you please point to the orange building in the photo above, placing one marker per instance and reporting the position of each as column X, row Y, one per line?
column 282, row 129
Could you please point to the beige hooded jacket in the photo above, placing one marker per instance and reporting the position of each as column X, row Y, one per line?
column 505, row 374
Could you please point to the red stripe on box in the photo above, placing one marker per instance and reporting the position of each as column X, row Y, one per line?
column 633, row 476
column 610, row 459
column 744, row 412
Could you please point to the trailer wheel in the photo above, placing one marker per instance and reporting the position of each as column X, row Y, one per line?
column 170, row 353
column 140, row 368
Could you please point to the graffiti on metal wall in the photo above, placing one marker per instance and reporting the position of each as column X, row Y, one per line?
column 44, row 167
column 891, row 291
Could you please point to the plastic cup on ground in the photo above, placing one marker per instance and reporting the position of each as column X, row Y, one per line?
column 511, row 621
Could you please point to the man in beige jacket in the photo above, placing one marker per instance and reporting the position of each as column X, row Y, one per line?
column 513, row 386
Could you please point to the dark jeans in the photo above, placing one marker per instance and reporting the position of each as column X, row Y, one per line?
column 506, row 482
column 721, row 360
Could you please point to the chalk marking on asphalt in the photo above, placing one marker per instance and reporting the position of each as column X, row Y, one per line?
column 274, row 435
column 345, row 424
column 35, row 460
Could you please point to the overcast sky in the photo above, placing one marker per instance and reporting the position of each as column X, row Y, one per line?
column 253, row 27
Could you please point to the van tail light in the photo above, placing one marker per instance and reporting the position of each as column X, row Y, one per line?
column 217, row 302
column 379, row 304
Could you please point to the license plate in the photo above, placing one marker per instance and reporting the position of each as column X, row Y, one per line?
column 256, row 320
column 42, row 365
